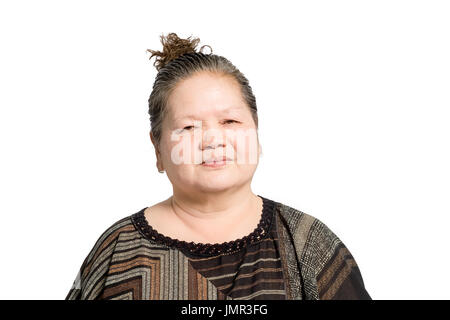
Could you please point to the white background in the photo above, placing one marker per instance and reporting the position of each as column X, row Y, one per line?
column 353, row 100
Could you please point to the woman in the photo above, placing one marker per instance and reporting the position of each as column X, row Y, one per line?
column 213, row 238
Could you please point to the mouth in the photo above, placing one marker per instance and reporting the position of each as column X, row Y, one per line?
column 216, row 161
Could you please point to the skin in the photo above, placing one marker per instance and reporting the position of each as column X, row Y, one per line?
column 208, row 205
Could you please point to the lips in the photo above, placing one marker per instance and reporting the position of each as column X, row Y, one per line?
column 220, row 159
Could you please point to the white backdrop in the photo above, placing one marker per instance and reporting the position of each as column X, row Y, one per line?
column 353, row 100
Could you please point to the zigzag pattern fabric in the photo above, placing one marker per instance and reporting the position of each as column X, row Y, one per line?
column 298, row 257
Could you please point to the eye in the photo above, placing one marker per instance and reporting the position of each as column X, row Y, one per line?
column 230, row 121
column 188, row 127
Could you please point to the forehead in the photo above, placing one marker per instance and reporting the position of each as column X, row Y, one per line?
column 205, row 95
column 221, row 112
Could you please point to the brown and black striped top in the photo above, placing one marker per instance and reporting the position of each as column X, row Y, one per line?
column 247, row 268
column 289, row 255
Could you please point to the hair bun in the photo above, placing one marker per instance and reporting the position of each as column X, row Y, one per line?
column 173, row 47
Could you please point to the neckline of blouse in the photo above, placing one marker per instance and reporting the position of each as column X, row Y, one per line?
column 208, row 249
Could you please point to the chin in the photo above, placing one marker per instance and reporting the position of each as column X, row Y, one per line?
column 213, row 186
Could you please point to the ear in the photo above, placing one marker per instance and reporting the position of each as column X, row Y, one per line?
column 157, row 152
column 152, row 138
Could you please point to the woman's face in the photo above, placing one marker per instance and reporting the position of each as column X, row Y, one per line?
column 208, row 120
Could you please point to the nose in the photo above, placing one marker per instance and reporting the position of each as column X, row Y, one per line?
column 212, row 138
column 213, row 146
column 212, row 143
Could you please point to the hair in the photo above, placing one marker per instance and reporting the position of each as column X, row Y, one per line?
column 179, row 60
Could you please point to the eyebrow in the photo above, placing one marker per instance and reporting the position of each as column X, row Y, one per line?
column 192, row 116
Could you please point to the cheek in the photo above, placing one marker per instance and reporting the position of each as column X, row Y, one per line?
column 166, row 151
column 181, row 153
column 246, row 147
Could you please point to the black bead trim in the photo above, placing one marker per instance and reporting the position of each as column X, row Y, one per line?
column 208, row 249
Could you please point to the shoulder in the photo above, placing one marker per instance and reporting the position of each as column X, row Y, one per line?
column 323, row 257
column 109, row 237
column 92, row 272
column 313, row 239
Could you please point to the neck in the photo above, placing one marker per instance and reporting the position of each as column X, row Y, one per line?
column 208, row 212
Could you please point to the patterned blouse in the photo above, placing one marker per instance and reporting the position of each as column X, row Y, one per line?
column 131, row 260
